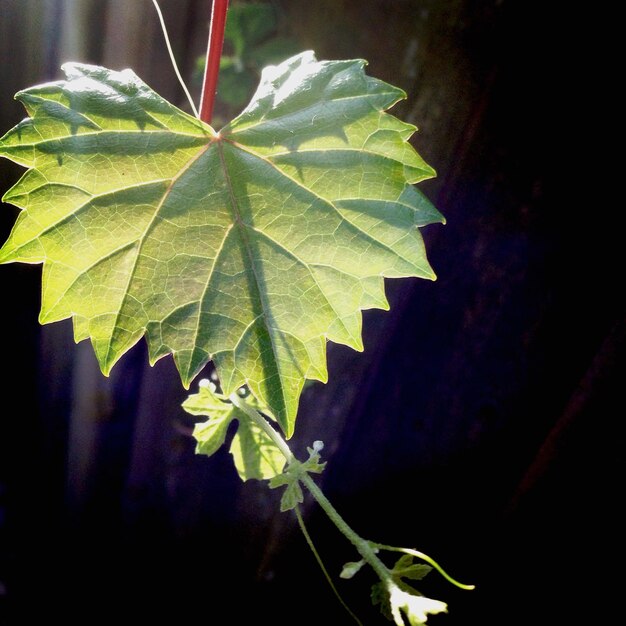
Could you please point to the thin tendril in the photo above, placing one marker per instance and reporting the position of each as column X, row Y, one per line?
column 171, row 53
column 429, row 560
column 318, row 558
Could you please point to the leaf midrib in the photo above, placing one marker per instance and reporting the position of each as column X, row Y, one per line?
column 237, row 218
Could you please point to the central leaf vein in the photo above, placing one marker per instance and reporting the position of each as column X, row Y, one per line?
column 244, row 238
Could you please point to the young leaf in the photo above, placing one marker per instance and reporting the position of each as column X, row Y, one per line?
column 254, row 453
column 251, row 247
column 207, row 401
column 292, row 497
column 405, row 568
column 210, row 435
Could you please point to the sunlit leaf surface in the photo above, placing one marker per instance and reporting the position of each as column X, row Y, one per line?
column 250, row 247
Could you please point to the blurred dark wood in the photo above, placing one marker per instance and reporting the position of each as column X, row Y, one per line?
column 441, row 435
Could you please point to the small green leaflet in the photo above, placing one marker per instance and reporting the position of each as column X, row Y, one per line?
column 251, row 247
column 405, row 568
column 254, row 453
column 290, row 478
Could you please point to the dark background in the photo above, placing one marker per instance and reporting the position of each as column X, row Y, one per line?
column 482, row 423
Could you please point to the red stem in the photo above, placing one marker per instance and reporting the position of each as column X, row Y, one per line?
column 213, row 56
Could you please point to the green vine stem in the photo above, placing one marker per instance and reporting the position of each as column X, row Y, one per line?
column 365, row 548
column 262, row 423
column 362, row 545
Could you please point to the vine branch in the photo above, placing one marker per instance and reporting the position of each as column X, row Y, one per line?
column 362, row 545
column 365, row 548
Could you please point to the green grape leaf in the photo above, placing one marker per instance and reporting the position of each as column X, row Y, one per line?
column 251, row 247
column 254, row 453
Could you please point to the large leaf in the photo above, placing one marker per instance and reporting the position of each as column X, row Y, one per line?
column 252, row 246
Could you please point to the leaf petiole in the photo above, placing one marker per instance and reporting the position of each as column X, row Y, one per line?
column 213, row 55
